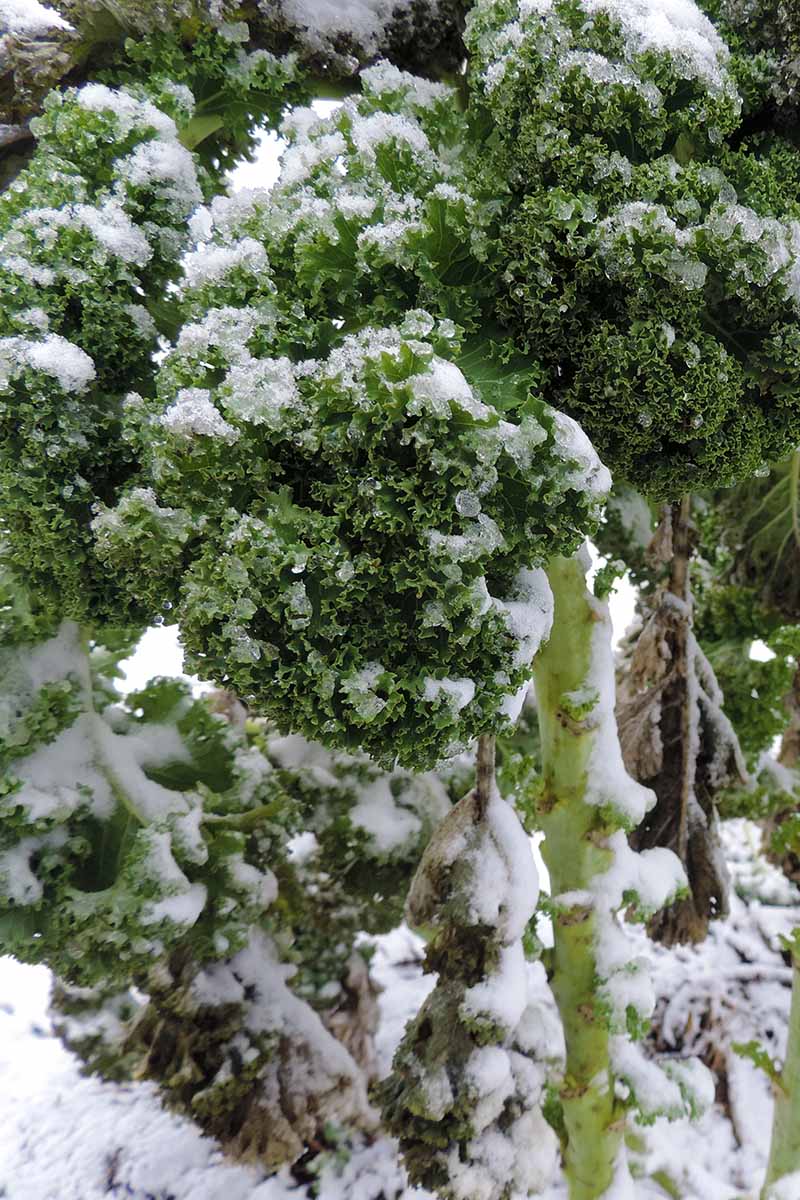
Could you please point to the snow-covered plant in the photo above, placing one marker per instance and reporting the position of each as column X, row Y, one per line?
column 764, row 37
column 93, row 227
column 80, row 39
column 650, row 260
column 136, row 849
column 354, row 479
column 350, row 495
column 234, row 87
column 147, row 854
column 647, row 231
column 464, row 1097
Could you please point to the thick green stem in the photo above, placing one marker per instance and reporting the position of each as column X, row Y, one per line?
column 575, row 853
column 784, row 1150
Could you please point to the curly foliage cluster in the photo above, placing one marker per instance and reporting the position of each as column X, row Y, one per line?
column 372, row 215
column 348, row 538
column 464, row 1097
column 95, row 225
column 650, row 257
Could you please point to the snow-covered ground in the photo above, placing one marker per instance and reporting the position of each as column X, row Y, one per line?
column 66, row 1137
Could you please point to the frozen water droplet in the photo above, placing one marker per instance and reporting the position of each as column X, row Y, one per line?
column 697, row 421
column 468, row 504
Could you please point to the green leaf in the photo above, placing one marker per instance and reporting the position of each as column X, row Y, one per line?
column 504, row 379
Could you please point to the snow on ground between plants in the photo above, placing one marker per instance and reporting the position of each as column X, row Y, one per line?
column 64, row 1137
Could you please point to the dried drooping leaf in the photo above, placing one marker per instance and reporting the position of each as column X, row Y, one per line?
column 354, row 1018
column 676, row 739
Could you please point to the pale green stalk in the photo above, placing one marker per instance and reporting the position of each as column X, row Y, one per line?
column 575, row 854
column 784, row 1150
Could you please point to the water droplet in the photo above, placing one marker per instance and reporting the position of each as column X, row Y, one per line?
column 158, row 619
column 697, row 421
column 167, row 605
column 645, row 419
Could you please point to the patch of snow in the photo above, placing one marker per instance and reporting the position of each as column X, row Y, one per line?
column 193, row 413
column 457, row 692
column 129, row 111
column 184, row 908
column 261, row 391
column 442, row 386
column 53, row 355
column 674, row 27
column 389, row 824
column 528, row 612
column 787, row 1188
column 211, row 264
column 29, row 18
column 365, row 22
column 587, row 473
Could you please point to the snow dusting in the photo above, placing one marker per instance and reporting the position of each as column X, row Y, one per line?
column 365, row 22
column 29, row 18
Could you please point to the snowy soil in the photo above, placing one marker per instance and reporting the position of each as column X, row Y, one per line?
column 65, row 1137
